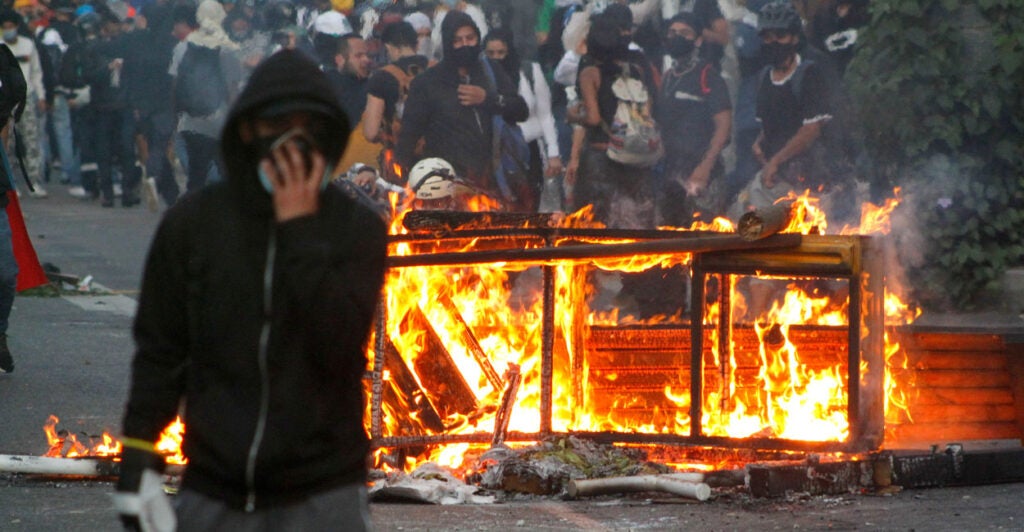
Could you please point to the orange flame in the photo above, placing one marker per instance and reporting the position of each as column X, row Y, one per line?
column 67, row 445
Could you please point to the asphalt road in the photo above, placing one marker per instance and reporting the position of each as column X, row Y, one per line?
column 72, row 357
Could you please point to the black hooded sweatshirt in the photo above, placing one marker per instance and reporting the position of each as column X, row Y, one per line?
column 454, row 132
column 259, row 327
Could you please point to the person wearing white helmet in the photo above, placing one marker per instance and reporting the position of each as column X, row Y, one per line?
column 435, row 185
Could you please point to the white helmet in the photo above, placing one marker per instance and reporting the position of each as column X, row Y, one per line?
column 432, row 178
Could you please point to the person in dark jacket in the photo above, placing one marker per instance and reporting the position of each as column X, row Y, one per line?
column 257, row 300
column 13, row 92
column 114, row 121
column 450, row 106
column 149, row 49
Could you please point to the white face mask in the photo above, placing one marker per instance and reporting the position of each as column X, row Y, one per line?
column 425, row 46
column 11, row 35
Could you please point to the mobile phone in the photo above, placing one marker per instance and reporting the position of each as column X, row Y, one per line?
column 301, row 139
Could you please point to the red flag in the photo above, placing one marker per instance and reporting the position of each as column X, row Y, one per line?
column 30, row 273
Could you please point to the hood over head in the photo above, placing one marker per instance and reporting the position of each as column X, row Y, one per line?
column 454, row 20
column 210, row 33
column 288, row 81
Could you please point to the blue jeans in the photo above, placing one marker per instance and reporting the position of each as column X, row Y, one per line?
column 61, row 116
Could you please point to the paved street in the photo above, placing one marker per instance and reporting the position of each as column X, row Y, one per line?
column 72, row 358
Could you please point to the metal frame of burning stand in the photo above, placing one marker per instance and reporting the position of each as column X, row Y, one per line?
column 855, row 259
column 788, row 254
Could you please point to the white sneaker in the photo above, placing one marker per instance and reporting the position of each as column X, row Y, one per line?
column 149, row 192
column 39, row 191
column 78, row 192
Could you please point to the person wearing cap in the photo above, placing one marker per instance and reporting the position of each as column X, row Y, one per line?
column 695, row 115
column 451, row 106
column 715, row 32
column 257, row 299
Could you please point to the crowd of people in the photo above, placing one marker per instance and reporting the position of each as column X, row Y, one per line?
column 541, row 104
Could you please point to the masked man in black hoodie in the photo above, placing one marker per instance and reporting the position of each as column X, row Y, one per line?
column 451, row 106
column 257, row 299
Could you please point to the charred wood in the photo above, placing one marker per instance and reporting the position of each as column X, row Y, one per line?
column 452, row 220
column 439, row 375
column 469, row 340
column 508, row 401
column 764, row 222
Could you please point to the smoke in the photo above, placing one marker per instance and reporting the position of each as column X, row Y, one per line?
column 927, row 188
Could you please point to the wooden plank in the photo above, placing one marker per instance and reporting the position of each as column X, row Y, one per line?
column 963, row 414
column 956, row 360
column 626, row 378
column 960, row 396
column 402, row 392
column 949, row 432
column 977, row 343
column 640, row 338
column 439, row 375
column 636, row 359
column 466, row 337
column 645, row 399
column 962, row 379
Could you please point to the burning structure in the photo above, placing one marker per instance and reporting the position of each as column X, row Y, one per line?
column 507, row 329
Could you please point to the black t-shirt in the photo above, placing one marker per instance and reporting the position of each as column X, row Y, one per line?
column 385, row 86
column 351, row 92
column 686, row 109
column 782, row 111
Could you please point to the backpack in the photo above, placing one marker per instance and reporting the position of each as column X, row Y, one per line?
column 510, row 156
column 633, row 136
column 200, row 88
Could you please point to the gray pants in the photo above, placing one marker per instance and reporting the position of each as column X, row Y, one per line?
column 344, row 508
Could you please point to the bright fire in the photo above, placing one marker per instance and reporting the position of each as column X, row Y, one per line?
column 497, row 308
column 67, row 445
column 458, row 329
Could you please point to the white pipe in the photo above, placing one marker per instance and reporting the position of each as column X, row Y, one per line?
column 603, row 486
column 42, row 465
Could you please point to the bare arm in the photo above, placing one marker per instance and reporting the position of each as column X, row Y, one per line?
column 590, row 82
column 699, row 178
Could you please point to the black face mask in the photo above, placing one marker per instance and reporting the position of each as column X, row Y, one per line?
column 466, row 56
column 776, row 54
column 679, row 46
column 624, row 41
